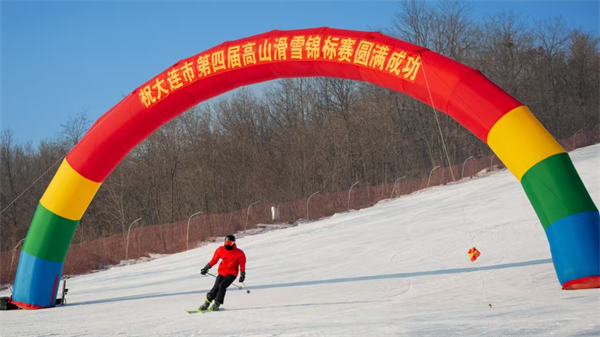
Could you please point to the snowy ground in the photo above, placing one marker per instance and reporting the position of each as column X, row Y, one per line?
column 398, row 268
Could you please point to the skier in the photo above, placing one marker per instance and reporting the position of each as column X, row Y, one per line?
column 228, row 271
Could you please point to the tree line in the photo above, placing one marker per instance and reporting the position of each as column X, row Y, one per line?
column 298, row 136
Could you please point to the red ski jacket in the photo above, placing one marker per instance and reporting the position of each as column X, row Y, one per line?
column 232, row 259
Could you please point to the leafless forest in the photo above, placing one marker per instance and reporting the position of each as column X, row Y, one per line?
column 300, row 136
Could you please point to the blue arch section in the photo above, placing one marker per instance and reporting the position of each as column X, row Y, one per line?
column 574, row 246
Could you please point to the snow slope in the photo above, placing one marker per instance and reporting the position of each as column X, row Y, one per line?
column 398, row 268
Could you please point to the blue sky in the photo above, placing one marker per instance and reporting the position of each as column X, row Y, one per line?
column 61, row 58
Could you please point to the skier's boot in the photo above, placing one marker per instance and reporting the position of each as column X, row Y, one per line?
column 216, row 306
column 204, row 306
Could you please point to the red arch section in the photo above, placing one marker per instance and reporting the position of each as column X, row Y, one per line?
column 455, row 89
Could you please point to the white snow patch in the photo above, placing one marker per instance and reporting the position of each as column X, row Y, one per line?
column 398, row 268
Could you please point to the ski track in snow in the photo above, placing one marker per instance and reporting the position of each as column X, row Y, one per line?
column 398, row 268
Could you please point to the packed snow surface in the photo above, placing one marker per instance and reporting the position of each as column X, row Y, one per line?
column 398, row 268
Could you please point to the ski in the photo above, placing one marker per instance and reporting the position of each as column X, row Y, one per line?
column 202, row 311
column 193, row 311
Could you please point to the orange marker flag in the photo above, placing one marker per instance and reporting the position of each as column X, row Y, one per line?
column 474, row 254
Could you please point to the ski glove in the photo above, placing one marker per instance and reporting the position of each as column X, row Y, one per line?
column 204, row 270
column 242, row 276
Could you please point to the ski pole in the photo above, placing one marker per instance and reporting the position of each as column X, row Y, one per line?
column 247, row 290
column 233, row 284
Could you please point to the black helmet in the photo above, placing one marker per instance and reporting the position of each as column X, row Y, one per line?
column 229, row 242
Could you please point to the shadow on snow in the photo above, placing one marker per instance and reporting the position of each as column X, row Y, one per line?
column 330, row 281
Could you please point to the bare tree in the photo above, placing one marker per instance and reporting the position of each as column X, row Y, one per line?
column 75, row 127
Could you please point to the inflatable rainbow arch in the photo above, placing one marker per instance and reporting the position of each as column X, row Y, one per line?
column 543, row 167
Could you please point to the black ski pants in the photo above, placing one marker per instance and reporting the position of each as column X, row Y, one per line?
column 218, row 290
